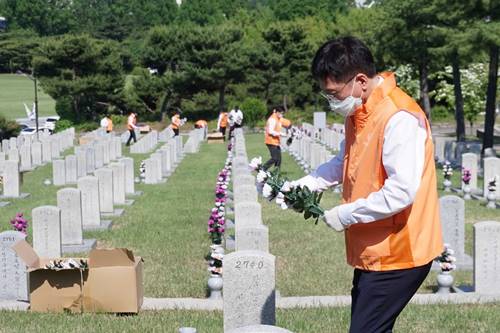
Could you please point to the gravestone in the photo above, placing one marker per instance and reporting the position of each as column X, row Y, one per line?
column 13, row 143
column 90, row 155
column 249, row 289
column 245, row 193
column 105, row 156
column 252, row 237
column 118, row 147
column 487, row 257
column 81, row 162
column 46, row 150
column 91, row 217
column 54, row 148
column 491, row 169
column 469, row 162
column 36, row 153
column 11, row 185
column 47, row 231
column 129, row 175
column 247, row 213
column 165, row 162
column 5, row 145
column 105, row 177
column 70, row 204
column 71, row 169
column 452, row 210
column 152, row 167
column 112, row 150
column 13, row 277
column 99, row 155
column 259, row 329
column 157, row 156
column 2, row 162
column 25, row 154
column 118, row 183
column 58, row 172
column 13, row 154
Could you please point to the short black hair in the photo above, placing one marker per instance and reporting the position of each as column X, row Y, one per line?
column 341, row 59
column 279, row 108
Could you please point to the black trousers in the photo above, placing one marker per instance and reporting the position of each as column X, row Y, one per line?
column 231, row 129
column 379, row 297
column 132, row 136
column 176, row 131
column 223, row 131
column 275, row 159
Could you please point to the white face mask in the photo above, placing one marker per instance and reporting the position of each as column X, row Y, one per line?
column 345, row 107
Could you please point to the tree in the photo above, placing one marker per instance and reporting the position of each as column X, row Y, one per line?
column 16, row 51
column 82, row 74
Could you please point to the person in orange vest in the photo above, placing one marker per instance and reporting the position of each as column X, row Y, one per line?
column 222, row 123
column 273, row 137
column 176, row 122
column 109, row 124
column 131, row 126
column 390, row 208
column 200, row 124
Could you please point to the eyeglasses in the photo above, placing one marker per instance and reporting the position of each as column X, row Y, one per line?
column 333, row 97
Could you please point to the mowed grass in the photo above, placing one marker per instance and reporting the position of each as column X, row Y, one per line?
column 413, row 319
column 18, row 89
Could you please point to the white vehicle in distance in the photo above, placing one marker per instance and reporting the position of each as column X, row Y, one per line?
column 50, row 123
column 29, row 131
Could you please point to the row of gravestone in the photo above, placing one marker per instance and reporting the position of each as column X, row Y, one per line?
column 145, row 144
column 490, row 169
column 249, row 272
column 34, row 153
column 163, row 161
column 86, row 159
column 309, row 153
column 196, row 136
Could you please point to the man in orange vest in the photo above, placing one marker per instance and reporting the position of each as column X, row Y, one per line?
column 131, row 121
column 273, row 137
column 176, row 122
column 389, row 212
column 222, row 123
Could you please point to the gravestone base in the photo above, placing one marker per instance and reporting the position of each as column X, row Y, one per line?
column 26, row 170
column 230, row 243
column 14, row 305
column 21, row 196
column 479, row 197
column 86, row 246
column 129, row 202
column 105, row 225
column 116, row 212
column 465, row 264
column 259, row 329
column 4, row 203
column 162, row 181
column 135, row 194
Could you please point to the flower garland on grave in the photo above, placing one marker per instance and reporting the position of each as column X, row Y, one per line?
column 19, row 223
column 217, row 219
column 287, row 195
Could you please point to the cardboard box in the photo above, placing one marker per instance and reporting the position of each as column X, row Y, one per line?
column 113, row 282
column 215, row 138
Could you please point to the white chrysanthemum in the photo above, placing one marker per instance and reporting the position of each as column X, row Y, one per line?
column 267, row 191
column 256, row 162
column 284, row 206
column 280, row 198
column 287, row 187
column 261, row 176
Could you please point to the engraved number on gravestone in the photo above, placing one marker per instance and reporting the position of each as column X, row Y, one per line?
column 251, row 264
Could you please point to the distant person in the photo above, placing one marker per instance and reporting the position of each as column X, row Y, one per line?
column 235, row 119
column 222, row 123
column 273, row 137
column 200, row 124
column 107, row 124
column 176, row 122
column 131, row 126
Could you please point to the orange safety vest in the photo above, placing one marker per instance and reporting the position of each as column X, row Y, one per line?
column 285, row 123
column 109, row 128
column 131, row 119
column 269, row 139
column 201, row 124
column 176, row 122
column 224, row 119
column 411, row 237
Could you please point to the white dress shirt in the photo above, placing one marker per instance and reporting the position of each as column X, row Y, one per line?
column 271, row 125
column 403, row 155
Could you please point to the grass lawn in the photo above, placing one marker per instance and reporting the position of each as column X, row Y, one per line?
column 414, row 319
column 16, row 90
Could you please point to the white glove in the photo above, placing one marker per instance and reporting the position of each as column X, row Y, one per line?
column 309, row 181
column 332, row 220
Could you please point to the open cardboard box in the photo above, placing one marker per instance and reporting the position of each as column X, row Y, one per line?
column 113, row 282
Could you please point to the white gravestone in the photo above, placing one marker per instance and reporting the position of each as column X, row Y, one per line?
column 129, row 175
column 69, row 202
column 71, row 169
column 89, row 187
column 13, row 279
column 487, row 257
column 58, row 172
column 118, row 183
column 47, row 231
column 249, row 289
column 105, row 176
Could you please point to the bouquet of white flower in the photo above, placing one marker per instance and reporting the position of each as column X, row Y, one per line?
column 446, row 260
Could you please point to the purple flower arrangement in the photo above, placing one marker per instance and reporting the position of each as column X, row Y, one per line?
column 19, row 223
column 466, row 176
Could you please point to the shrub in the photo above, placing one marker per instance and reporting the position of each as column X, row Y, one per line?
column 63, row 124
column 87, row 127
column 254, row 110
column 8, row 128
column 440, row 113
